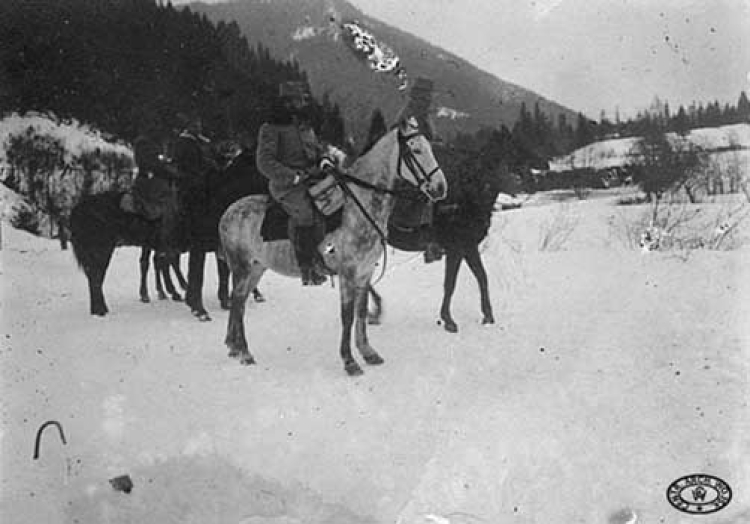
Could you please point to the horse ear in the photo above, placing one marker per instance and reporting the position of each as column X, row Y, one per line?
column 408, row 125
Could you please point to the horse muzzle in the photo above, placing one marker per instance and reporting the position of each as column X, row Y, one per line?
column 436, row 188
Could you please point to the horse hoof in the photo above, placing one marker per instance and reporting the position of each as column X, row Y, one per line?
column 374, row 359
column 203, row 316
column 226, row 306
column 247, row 360
column 373, row 320
column 353, row 369
column 145, row 299
column 258, row 298
column 488, row 320
column 176, row 298
column 449, row 325
column 162, row 296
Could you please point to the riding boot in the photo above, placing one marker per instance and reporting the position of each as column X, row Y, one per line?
column 305, row 243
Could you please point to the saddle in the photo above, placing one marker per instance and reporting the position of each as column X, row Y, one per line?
column 275, row 224
column 410, row 225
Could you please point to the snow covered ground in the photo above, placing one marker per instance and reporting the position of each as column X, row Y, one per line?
column 610, row 374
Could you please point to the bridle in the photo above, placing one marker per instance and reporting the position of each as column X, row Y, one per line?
column 407, row 158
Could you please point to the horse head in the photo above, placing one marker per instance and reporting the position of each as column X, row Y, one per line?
column 416, row 162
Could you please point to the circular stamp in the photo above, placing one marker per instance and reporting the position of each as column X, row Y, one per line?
column 699, row 494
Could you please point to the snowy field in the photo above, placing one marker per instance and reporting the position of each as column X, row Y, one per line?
column 610, row 374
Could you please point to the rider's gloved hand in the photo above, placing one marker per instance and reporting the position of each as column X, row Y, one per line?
column 300, row 177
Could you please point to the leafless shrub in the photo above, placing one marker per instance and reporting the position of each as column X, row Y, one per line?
column 557, row 230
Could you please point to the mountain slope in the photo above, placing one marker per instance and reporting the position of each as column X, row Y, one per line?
column 466, row 97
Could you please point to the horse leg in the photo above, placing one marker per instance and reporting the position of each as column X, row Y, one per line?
column 175, row 263
column 145, row 255
column 96, row 270
column 196, row 265
column 257, row 295
column 160, row 269
column 474, row 260
column 348, row 291
column 363, row 344
column 374, row 316
column 169, row 262
column 244, row 278
column 453, row 259
column 223, row 269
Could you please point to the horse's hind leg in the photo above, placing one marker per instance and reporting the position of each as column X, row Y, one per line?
column 374, row 317
column 363, row 344
column 452, row 265
column 95, row 272
column 474, row 260
column 244, row 278
column 144, row 261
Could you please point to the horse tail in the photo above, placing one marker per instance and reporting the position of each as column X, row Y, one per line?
column 93, row 223
column 78, row 237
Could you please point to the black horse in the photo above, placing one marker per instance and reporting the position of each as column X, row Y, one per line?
column 459, row 225
column 98, row 225
column 162, row 271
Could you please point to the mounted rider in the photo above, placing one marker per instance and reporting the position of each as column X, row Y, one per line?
column 289, row 154
column 154, row 193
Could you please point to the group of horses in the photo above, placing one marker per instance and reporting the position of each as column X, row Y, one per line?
column 223, row 213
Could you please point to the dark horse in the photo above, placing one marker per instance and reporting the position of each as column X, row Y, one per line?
column 460, row 223
column 98, row 225
column 162, row 271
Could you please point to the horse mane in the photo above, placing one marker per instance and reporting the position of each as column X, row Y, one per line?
column 374, row 151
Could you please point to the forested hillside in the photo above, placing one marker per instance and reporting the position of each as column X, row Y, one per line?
column 126, row 66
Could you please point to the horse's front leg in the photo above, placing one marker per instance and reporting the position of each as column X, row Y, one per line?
column 175, row 263
column 375, row 316
column 363, row 344
column 452, row 264
column 348, row 292
column 144, row 262
column 474, row 260
column 194, row 299
column 168, row 262
column 161, row 269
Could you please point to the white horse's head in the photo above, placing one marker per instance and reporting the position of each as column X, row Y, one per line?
column 416, row 162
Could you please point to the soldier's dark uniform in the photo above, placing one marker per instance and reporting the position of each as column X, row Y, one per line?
column 155, row 192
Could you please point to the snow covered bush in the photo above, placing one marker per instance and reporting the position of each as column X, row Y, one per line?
column 54, row 164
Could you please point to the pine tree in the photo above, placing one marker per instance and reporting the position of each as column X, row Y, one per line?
column 743, row 108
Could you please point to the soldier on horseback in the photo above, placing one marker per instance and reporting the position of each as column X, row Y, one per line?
column 288, row 154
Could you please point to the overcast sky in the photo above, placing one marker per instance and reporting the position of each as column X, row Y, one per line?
column 592, row 55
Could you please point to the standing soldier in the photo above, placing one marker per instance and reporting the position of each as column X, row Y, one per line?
column 192, row 152
column 155, row 191
column 288, row 154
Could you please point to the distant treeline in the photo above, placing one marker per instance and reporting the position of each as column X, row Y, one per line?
column 539, row 137
column 131, row 66
column 663, row 119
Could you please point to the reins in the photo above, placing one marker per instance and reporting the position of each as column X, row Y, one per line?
column 405, row 157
